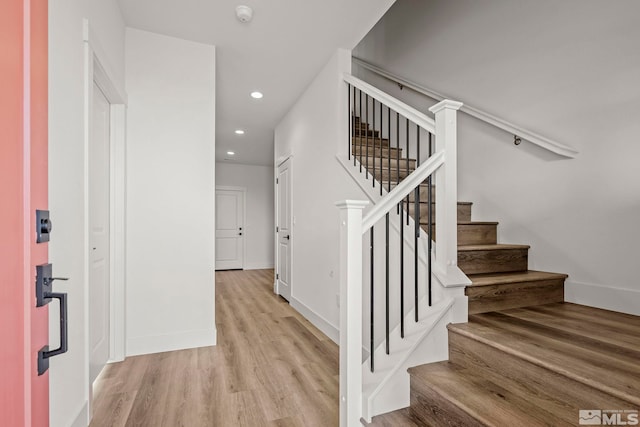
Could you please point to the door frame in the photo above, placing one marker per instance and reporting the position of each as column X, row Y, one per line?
column 97, row 70
column 276, row 186
column 244, row 218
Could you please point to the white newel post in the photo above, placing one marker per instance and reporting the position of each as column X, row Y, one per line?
column 446, row 182
column 351, row 311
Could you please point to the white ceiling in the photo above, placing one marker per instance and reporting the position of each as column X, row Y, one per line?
column 278, row 53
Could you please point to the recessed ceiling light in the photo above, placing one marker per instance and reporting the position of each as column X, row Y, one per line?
column 256, row 95
column 239, row 132
column 231, row 153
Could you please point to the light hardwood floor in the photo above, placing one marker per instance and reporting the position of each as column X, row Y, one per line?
column 271, row 367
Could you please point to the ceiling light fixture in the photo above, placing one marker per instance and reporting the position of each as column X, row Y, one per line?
column 256, row 95
column 244, row 13
column 231, row 153
column 239, row 132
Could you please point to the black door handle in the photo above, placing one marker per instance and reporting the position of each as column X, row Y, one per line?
column 239, row 234
column 44, row 295
column 287, row 237
column 44, row 354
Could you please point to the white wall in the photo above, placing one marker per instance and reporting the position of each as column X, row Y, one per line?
column 170, row 193
column 312, row 131
column 68, row 379
column 567, row 70
column 259, row 226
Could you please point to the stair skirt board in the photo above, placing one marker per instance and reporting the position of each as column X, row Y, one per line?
column 387, row 389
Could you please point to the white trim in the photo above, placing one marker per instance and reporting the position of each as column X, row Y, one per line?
column 118, row 232
column 169, row 342
column 82, row 418
column 243, row 190
column 259, row 266
column 106, row 81
column 96, row 70
column 526, row 135
column 316, row 320
column 605, row 297
column 407, row 111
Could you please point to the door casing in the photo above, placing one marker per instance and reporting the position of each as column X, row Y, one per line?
column 96, row 72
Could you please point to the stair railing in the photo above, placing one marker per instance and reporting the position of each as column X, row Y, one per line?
column 365, row 148
column 519, row 133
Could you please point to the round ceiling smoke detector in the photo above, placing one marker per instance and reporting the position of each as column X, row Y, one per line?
column 244, row 13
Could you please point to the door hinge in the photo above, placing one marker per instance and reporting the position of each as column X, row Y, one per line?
column 277, row 181
column 277, row 229
column 277, row 276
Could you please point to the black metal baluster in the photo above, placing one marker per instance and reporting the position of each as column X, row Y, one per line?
column 430, row 225
column 407, row 158
column 388, row 149
column 351, row 119
column 373, row 138
column 381, row 176
column 397, row 158
column 353, row 133
column 373, row 350
column 416, row 220
column 359, row 133
column 386, row 242
column 366, row 106
column 402, row 268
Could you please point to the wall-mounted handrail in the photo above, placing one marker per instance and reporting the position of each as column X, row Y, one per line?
column 407, row 111
column 527, row 135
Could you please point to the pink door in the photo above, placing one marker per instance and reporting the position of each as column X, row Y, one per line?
column 24, row 395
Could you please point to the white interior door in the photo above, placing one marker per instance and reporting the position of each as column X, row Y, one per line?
column 99, row 219
column 229, row 229
column 283, row 272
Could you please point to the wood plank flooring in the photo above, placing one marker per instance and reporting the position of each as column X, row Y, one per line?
column 271, row 368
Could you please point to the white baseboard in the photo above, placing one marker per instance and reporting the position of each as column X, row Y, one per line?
column 614, row 299
column 82, row 419
column 318, row 321
column 259, row 266
column 171, row 342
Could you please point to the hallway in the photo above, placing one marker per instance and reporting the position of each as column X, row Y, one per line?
column 271, row 367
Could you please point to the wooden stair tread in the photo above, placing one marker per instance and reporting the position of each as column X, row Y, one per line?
column 622, row 332
column 384, row 167
column 477, row 223
column 488, row 279
column 494, row 247
column 487, row 402
column 585, row 359
column 597, row 317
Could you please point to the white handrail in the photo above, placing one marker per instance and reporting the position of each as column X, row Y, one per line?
column 402, row 190
column 407, row 111
column 526, row 135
